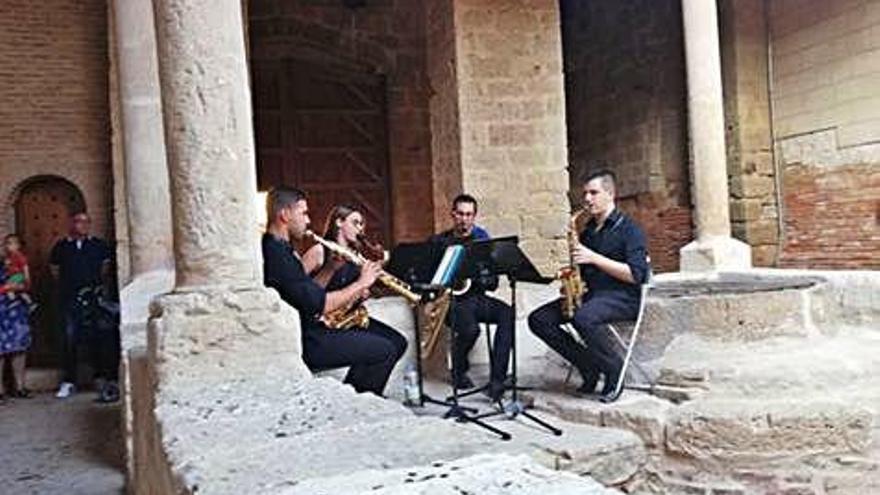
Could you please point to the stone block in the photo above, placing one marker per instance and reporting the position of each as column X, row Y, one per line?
column 646, row 417
column 744, row 209
column 751, row 186
column 716, row 253
column 754, row 433
column 762, row 232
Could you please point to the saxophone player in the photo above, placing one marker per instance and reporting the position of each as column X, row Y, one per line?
column 474, row 306
column 612, row 259
column 369, row 353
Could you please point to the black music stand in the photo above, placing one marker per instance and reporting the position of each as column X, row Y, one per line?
column 502, row 256
column 408, row 262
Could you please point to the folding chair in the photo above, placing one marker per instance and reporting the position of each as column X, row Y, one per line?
column 627, row 346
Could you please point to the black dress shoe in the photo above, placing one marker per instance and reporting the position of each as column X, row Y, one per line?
column 591, row 379
column 495, row 390
column 463, row 382
column 610, row 392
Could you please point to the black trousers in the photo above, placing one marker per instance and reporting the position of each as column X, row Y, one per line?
column 466, row 314
column 370, row 353
column 597, row 310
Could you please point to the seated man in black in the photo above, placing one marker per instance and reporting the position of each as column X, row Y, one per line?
column 474, row 306
column 370, row 353
column 613, row 264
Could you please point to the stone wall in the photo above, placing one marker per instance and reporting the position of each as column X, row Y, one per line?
column 384, row 37
column 512, row 121
column 826, row 120
column 625, row 96
column 54, row 113
column 753, row 202
column 445, row 129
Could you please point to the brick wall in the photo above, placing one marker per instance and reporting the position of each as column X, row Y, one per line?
column 387, row 37
column 54, row 102
column 625, row 100
column 512, row 120
column 826, row 108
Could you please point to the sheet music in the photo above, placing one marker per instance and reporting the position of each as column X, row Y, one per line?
column 445, row 273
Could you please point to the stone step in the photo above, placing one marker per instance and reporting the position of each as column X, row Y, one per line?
column 729, row 428
column 774, row 367
column 483, row 474
column 275, row 434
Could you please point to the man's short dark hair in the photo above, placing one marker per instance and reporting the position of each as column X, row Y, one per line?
column 609, row 179
column 464, row 198
column 280, row 198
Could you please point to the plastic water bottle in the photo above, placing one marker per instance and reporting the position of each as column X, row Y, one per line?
column 411, row 393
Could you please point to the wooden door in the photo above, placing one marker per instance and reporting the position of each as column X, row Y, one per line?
column 42, row 214
column 325, row 131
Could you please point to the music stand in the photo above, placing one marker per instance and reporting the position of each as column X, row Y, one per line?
column 408, row 262
column 502, row 256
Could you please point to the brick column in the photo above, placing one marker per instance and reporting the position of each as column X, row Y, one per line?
column 208, row 131
column 714, row 248
column 146, row 175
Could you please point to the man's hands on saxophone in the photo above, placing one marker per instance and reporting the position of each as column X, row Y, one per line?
column 583, row 255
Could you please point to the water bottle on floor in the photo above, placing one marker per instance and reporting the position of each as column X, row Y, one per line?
column 411, row 395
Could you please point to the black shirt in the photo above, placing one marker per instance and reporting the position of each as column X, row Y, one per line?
column 619, row 239
column 80, row 262
column 284, row 272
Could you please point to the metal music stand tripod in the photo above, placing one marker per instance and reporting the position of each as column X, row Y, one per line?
column 408, row 262
column 504, row 257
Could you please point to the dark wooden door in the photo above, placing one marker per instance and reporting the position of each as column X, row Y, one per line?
column 325, row 131
column 42, row 214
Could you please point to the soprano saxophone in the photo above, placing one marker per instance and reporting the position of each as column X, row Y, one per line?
column 389, row 280
column 572, row 287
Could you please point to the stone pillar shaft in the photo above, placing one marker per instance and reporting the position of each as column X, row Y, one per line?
column 146, row 173
column 706, row 118
column 208, row 133
column 713, row 249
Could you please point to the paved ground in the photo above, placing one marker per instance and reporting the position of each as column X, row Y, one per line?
column 50, row 446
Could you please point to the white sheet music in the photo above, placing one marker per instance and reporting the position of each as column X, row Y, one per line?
column 449, row 265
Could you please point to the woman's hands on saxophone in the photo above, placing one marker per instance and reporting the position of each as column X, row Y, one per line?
column 370, row 272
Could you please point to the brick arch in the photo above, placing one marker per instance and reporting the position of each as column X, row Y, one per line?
column 10, row 195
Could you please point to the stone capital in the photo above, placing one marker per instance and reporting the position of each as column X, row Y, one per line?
column 218, row 335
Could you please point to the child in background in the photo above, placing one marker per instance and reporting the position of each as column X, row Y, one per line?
column 17, row 272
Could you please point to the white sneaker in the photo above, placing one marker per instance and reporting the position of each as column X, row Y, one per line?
column 65, row 390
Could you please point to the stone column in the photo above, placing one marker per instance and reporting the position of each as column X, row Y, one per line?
column 146, row 175
column 714, row 248
column 219, row 323
column 208, row 132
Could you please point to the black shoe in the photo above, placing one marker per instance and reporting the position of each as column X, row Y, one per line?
column 591, row 379
column 22, row 393
column 463, row 382
column 495, row 390
column 610, row 392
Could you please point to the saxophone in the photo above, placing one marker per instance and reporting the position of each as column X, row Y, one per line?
column 347, row 317
column 572, row 287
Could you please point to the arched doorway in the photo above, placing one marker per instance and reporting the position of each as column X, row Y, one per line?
column 42, row 210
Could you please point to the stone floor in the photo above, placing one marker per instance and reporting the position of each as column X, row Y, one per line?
column 50, row 446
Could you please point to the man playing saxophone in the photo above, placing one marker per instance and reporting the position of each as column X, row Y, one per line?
column 472, row 307
column 611, row 255
column 370, row 353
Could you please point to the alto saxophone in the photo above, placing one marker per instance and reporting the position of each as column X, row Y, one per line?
column 572, row 287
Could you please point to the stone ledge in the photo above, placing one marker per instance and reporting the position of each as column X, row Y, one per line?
column 758, row 432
